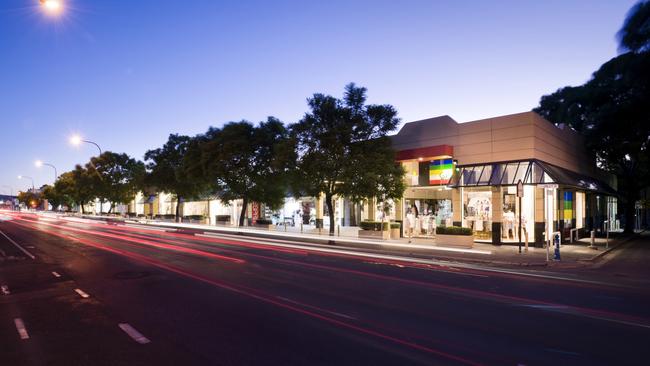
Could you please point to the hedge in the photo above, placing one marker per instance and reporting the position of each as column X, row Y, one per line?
column 453, row 230
column 395, row 225
column 221, row 218
column 194, row 217
column 373, row 225
column 264, row 222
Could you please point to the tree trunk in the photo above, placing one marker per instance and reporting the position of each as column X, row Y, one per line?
column 101, row 206
column 242, row 214
column 81, row 204
column 178, row 208
column 328, row 202
column 629, row 212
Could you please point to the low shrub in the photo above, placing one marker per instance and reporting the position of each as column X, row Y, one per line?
column 222, row 218
column 194, row 217
column 453, row 230
column 395, row 225
column 373, row 225
column 264, row 222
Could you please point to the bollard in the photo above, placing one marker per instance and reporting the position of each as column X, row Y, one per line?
column 285, row 226
column 338, row 230
column 556, row 254
column 593, row 240
column 301, row 227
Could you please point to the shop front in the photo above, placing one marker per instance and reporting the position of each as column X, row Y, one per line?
column 553, row 200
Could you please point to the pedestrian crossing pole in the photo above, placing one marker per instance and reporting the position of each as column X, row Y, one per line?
column 520, row 194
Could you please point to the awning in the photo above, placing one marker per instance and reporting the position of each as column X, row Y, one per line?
column 528, row 171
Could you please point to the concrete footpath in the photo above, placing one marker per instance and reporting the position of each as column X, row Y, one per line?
column 577, row 254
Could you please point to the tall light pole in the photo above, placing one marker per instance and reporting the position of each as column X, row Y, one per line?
column 39, row 164
column 76, row 140
column 30, row 178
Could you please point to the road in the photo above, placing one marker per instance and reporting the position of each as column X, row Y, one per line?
column 99, row 294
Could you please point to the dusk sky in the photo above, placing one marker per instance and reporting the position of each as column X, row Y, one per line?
column 125, row 74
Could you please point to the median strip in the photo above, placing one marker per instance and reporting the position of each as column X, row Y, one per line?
column 30, row 255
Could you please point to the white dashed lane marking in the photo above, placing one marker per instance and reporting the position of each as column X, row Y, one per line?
column 81, row 293
column 5, row 290
column 133, row 333
column 56, row 274
column 20, row 327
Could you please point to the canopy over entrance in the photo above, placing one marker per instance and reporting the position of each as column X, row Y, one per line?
column 528, row 171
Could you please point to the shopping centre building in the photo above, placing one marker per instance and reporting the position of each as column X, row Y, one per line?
column 463, row 174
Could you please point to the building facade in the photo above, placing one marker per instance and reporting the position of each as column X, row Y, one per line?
column 460, row 174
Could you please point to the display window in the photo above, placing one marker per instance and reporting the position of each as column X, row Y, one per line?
column 510, row 215
column 477, row 211
column 425, row 215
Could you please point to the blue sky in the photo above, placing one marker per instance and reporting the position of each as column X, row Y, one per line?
column 127, row 73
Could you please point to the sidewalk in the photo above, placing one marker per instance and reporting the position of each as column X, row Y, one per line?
column 577, row 254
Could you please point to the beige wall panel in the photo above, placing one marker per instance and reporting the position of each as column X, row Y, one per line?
column 512, row 155
column 475, row 138
column 472, row 149
column 474, row 127
column 499, row 134
column 513, row 144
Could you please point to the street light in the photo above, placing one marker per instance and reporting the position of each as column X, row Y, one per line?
column 76, row 140
column 30, row 178
column 52, row 7
column 39, row 164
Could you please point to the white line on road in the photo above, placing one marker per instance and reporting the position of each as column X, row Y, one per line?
column 56, row 274
column 81, row 293
column 5, row 290
column 137, row 336
column 20, row 327
column 18, row 245
column 313, row 307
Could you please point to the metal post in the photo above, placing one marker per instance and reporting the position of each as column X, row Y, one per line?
column 301, row 227
column 338, row 230
column 520, row 227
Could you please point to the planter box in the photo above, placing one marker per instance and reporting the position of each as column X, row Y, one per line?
column 372, row 234
column 464, row 241
column 264, row 226
column 394, row 233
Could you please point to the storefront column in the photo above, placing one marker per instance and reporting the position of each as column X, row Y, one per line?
column 540, row 225
column 456, row 207
column 320, row 200
column 399, row 215
column 497, row 214
column 372, row 208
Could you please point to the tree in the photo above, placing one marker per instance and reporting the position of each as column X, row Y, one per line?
column 252, row 163
column 343, row 149
column 115, row 177
column 612, row 110
column 77, row 184
column 29, row 198
column 634, row 36
column 166, row 171
column 55, row 197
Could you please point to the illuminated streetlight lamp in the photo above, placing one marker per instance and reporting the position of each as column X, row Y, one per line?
column 52, row 7
column 39, row 164
column 30, row 178
column 76, row 140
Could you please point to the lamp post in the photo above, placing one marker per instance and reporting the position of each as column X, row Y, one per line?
column 76, row 140
column 30, row 178
column 39, row 164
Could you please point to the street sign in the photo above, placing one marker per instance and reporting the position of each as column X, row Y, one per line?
column 520, row 189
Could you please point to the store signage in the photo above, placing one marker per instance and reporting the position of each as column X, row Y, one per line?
column 255, row 207
column 440, row 171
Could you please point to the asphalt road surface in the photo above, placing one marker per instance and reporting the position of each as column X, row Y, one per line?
column 86, row 293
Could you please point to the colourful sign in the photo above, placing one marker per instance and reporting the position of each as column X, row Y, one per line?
column 568, row 205
column 440, row 171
